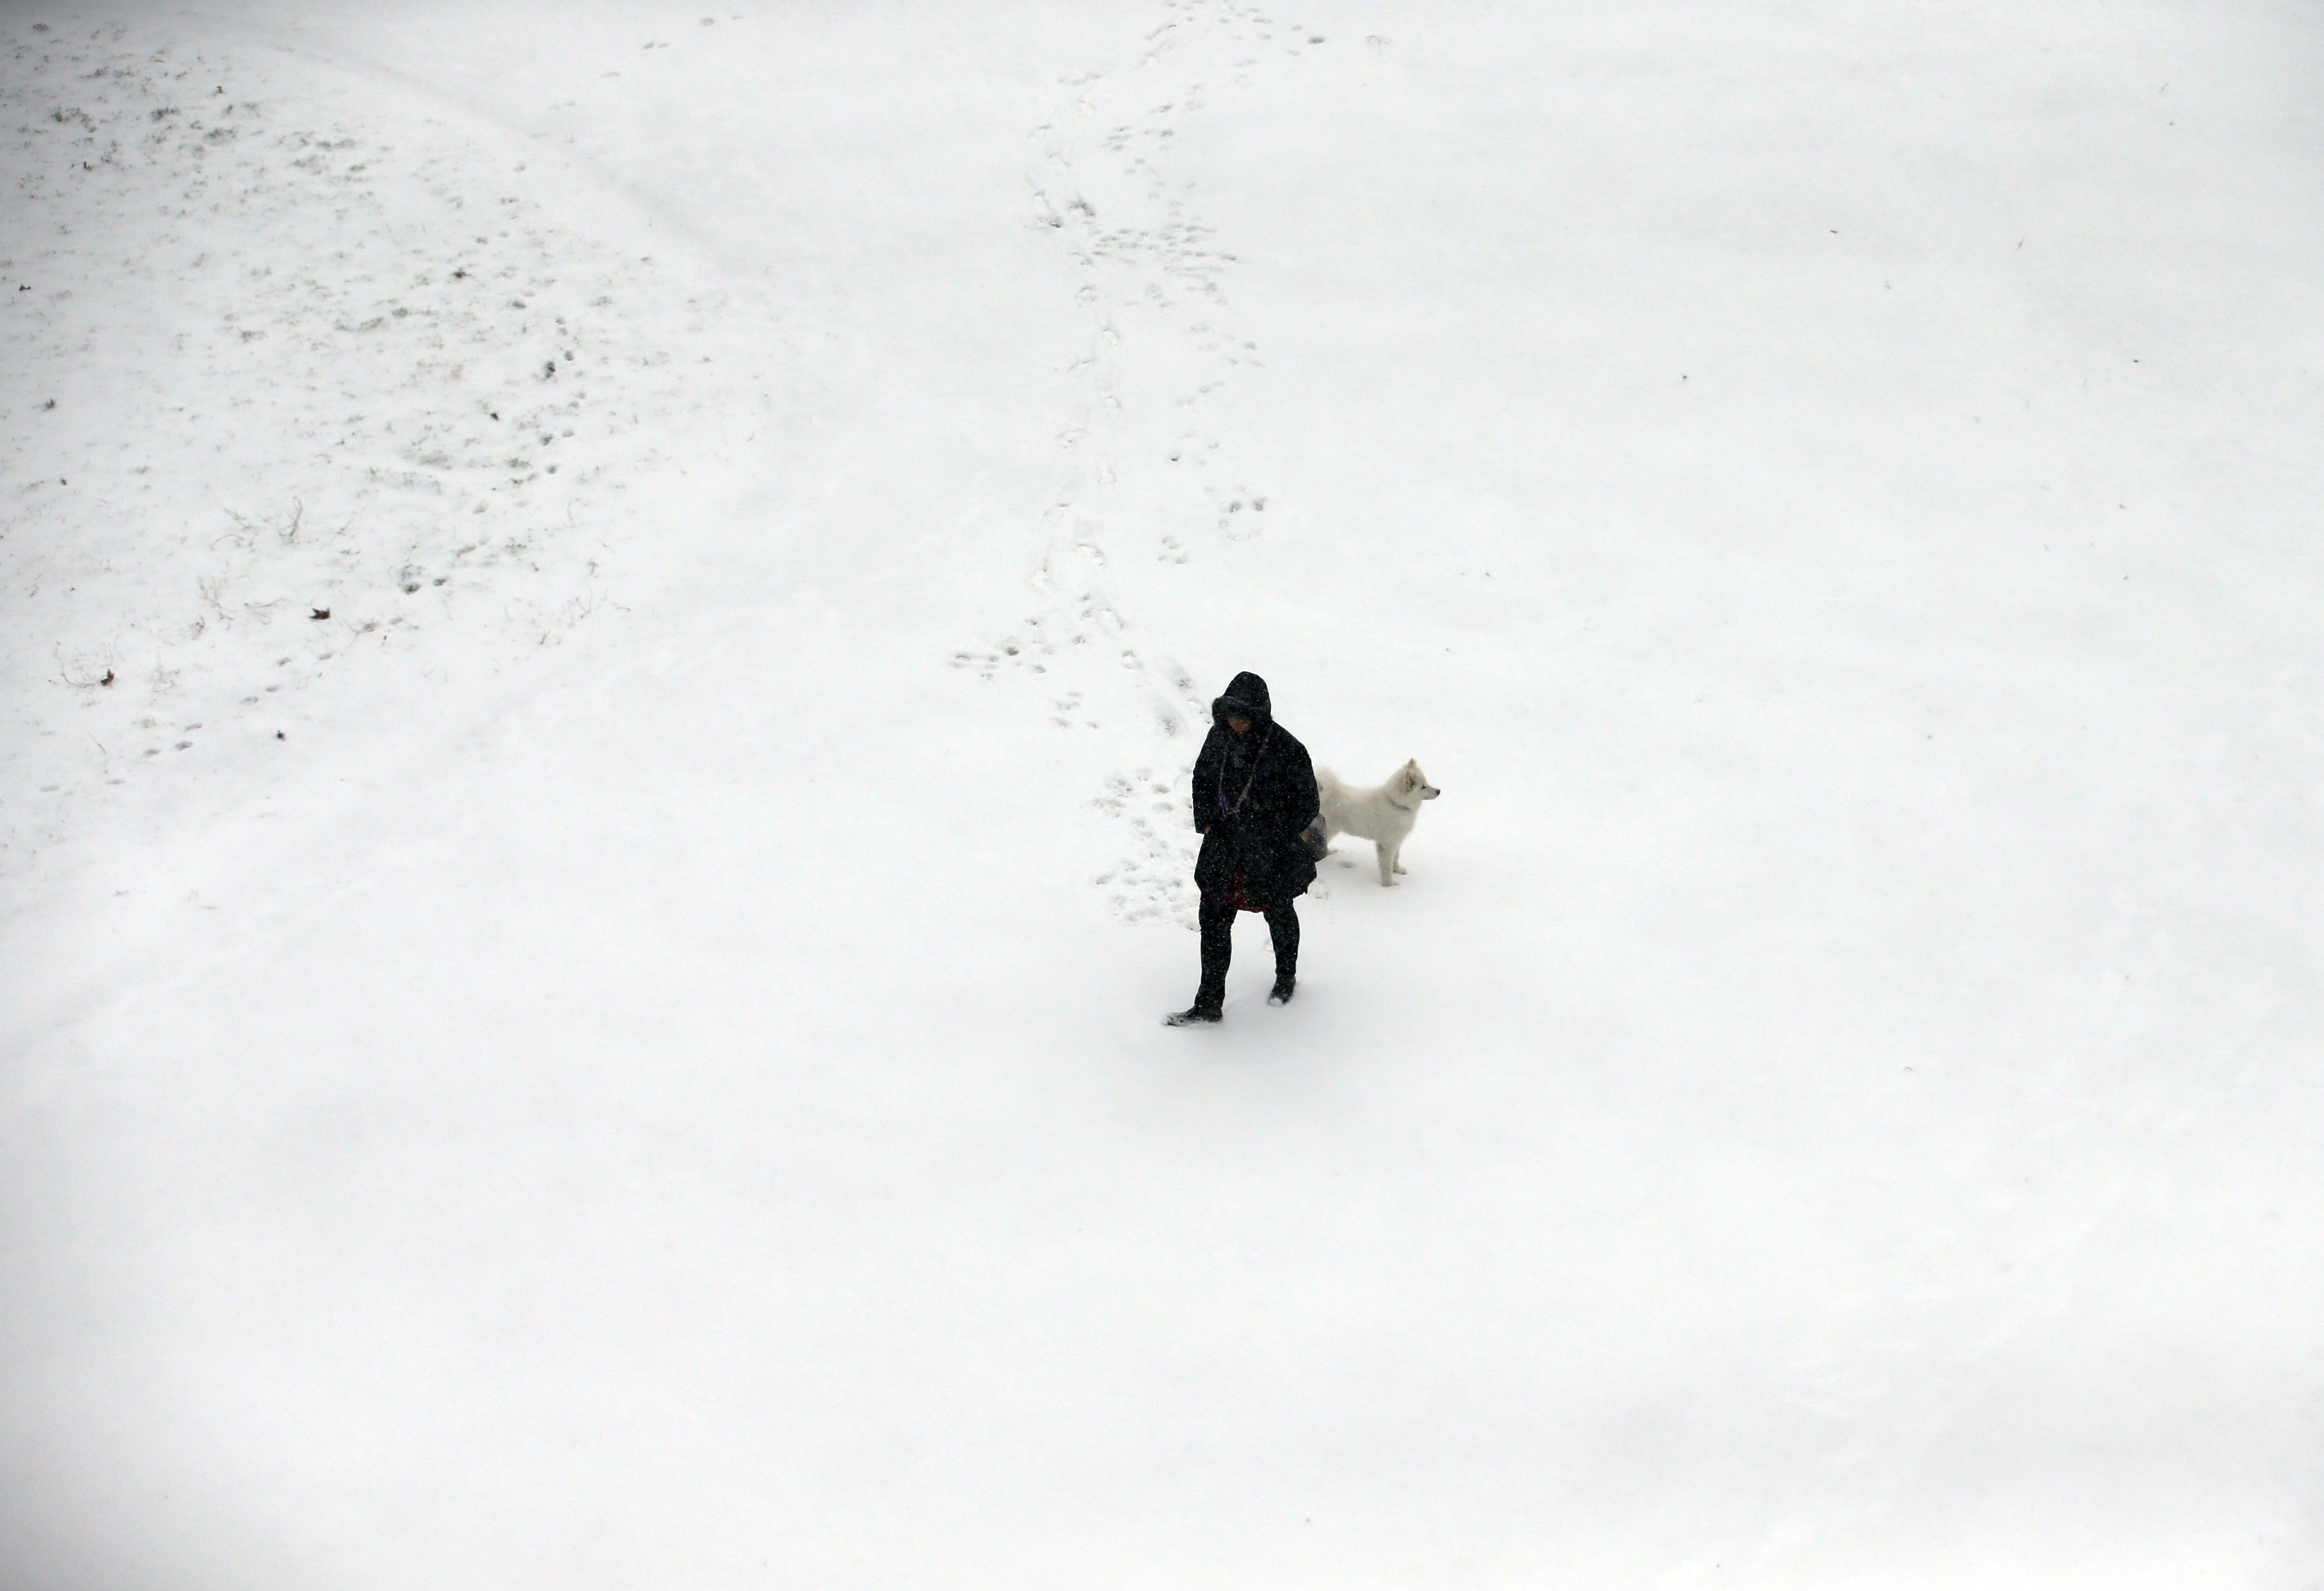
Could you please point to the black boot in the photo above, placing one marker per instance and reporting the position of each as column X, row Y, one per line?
column 1216, row 920
column 1283, row 927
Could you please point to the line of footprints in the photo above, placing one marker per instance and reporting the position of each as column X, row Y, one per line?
column 1139, row 256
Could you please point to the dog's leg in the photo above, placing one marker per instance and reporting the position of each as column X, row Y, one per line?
column 1387, row 862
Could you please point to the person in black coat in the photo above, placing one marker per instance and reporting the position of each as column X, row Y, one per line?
column 1254, row 799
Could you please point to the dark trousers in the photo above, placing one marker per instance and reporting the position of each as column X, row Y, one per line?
column 1217, row 920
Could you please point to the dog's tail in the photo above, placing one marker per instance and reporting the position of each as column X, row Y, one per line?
column 1327, row 792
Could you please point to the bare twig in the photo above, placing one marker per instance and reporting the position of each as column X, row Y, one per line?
column 66, row 672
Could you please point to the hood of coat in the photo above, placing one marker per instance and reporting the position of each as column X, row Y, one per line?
column 1246, row 697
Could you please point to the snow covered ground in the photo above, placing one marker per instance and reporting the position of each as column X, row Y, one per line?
column 602, row 612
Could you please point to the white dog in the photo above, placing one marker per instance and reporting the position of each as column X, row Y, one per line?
column 1383, row 816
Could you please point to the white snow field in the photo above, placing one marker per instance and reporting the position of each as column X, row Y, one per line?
column 605, row 609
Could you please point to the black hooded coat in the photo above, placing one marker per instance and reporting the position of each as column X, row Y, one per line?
column 1254, row 795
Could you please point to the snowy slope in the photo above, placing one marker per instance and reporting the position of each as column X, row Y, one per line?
column 627, row 1052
